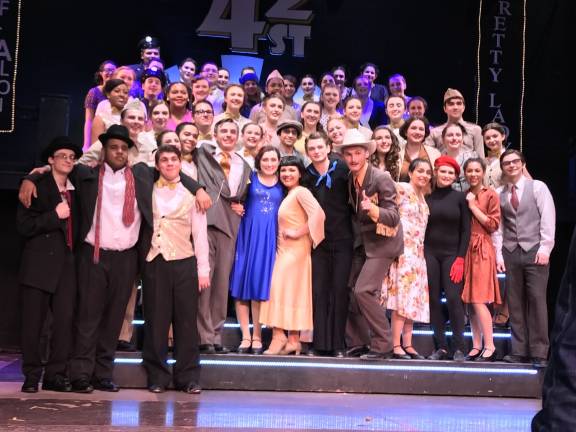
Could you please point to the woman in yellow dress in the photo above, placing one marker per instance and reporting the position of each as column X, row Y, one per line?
column 300, row 227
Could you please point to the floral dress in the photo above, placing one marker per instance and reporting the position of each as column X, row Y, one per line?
column 405, row 289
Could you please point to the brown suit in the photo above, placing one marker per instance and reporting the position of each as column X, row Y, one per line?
column 373, row 254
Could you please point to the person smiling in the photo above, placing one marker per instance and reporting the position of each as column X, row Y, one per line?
column 387, row 154
column 414, row 131
column 233, row 102
column 300, row 228
column 252, row 135
column 256, row 247
column 480, row 279
column 523, row 244
column 405, row 289
column 453, row 139
column 353, row 114
column 445, row 245
column 178, row 96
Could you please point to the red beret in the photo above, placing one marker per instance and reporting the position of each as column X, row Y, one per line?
column 447, row 161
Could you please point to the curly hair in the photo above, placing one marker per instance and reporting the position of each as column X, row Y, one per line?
column 392, row 158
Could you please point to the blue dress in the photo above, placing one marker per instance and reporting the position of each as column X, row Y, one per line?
column 256, row 242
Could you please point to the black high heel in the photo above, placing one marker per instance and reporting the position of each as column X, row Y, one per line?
column 404, row 356
column 415, row 355
column 490, row 358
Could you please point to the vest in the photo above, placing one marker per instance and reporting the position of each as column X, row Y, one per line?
column 172, row 232
column 522, row 227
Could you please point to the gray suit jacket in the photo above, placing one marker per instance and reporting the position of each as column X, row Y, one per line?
column 211, row 175
column 380, row 187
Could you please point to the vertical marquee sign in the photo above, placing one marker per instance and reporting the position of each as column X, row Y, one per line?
column 501, row 66
column 238, row 20
column 9, row 40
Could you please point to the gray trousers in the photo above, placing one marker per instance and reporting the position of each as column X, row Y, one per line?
column 367, row 322
column 213, row 302
column 526, row 285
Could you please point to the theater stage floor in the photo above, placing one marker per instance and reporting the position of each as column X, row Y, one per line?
column 256, row 411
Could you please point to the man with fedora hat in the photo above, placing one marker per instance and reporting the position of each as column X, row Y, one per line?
column 114, row 199
column 378, row 242
column 47, row 270
column 289, row 131
column 454, row 107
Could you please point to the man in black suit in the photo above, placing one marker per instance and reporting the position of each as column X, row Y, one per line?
column 114, row 199
column 47, row 270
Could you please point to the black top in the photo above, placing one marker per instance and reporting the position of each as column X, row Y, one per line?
column 333, row 200
column 448, row 230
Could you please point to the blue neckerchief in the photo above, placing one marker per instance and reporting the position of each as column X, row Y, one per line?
column 326, row 176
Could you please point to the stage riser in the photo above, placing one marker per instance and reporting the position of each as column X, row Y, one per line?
column 346, row 375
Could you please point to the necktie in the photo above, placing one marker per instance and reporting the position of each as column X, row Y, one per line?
column 225, row 163
column 67, row 197
column 514, row 198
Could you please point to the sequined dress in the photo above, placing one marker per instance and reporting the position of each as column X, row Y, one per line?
column 256, row 242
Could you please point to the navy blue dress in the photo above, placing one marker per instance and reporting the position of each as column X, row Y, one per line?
column 256, row 242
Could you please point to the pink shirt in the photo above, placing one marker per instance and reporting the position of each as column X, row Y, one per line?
column 171, row 123
column 167, row 201
column 113, row 234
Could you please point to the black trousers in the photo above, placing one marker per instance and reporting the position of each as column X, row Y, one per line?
column 438, row 266
column 35, row 306
column 331, row 263
column 559, row 390
column 170, row 296
column 103, row 293
column 526, row 286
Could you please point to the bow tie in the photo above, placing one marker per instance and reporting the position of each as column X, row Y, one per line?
column 160, row 183
column 326, row 176
column 246, row 152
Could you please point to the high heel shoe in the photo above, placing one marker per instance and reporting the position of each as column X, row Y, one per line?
column 397, row 356
column 276, row 346
column 413, row 355
column 244, row 348
column 472, row 357
column 291, row 347
column 490, row 358
column 257, row 350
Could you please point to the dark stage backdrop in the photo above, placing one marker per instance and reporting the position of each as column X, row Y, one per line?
column 521, row 62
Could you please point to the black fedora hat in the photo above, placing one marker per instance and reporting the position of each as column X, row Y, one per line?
column 58, row 143
column 119, row 132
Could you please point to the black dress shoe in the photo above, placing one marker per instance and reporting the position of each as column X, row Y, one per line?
column 458, row 356
column 339, row 353
column 539, row 362
column 156, row 388
column 413, row 355
column 58, row 384
column 105, row 384
column 29, row 386
column 357, row 351
column 511, row 358
column 221, row 349
column 473, row 357
column 439, row 354
column 206, row 349
column 375, row 355
column 125, row 346
column 82, row 386
column 484, row 359
column 191, row 388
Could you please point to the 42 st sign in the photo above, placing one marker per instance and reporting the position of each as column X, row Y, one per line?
column 238, row 21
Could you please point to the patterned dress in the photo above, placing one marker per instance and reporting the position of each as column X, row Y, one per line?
column 405, row 289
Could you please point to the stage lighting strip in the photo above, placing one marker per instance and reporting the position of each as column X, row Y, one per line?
column 375, row 367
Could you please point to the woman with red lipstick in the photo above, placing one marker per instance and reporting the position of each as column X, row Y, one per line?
column 386, row 157
column 414, row 131
column 480, row 281
column 300, row 228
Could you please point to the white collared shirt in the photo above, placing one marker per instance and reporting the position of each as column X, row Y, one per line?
column 114, row 235
column 236, row 169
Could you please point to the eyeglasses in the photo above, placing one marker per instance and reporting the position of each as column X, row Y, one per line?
column 204, row 112
column 512, row 162
column 71, row 158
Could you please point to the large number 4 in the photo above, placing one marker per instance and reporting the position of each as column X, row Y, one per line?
column 241, row 26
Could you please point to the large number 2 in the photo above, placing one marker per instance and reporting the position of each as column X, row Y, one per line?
column 236, row 19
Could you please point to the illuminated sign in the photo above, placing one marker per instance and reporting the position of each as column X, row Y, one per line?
column 9, row 41
column 238, row 21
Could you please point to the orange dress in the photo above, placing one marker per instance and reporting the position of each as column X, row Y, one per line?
column 480, row 275
column 290, row 304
